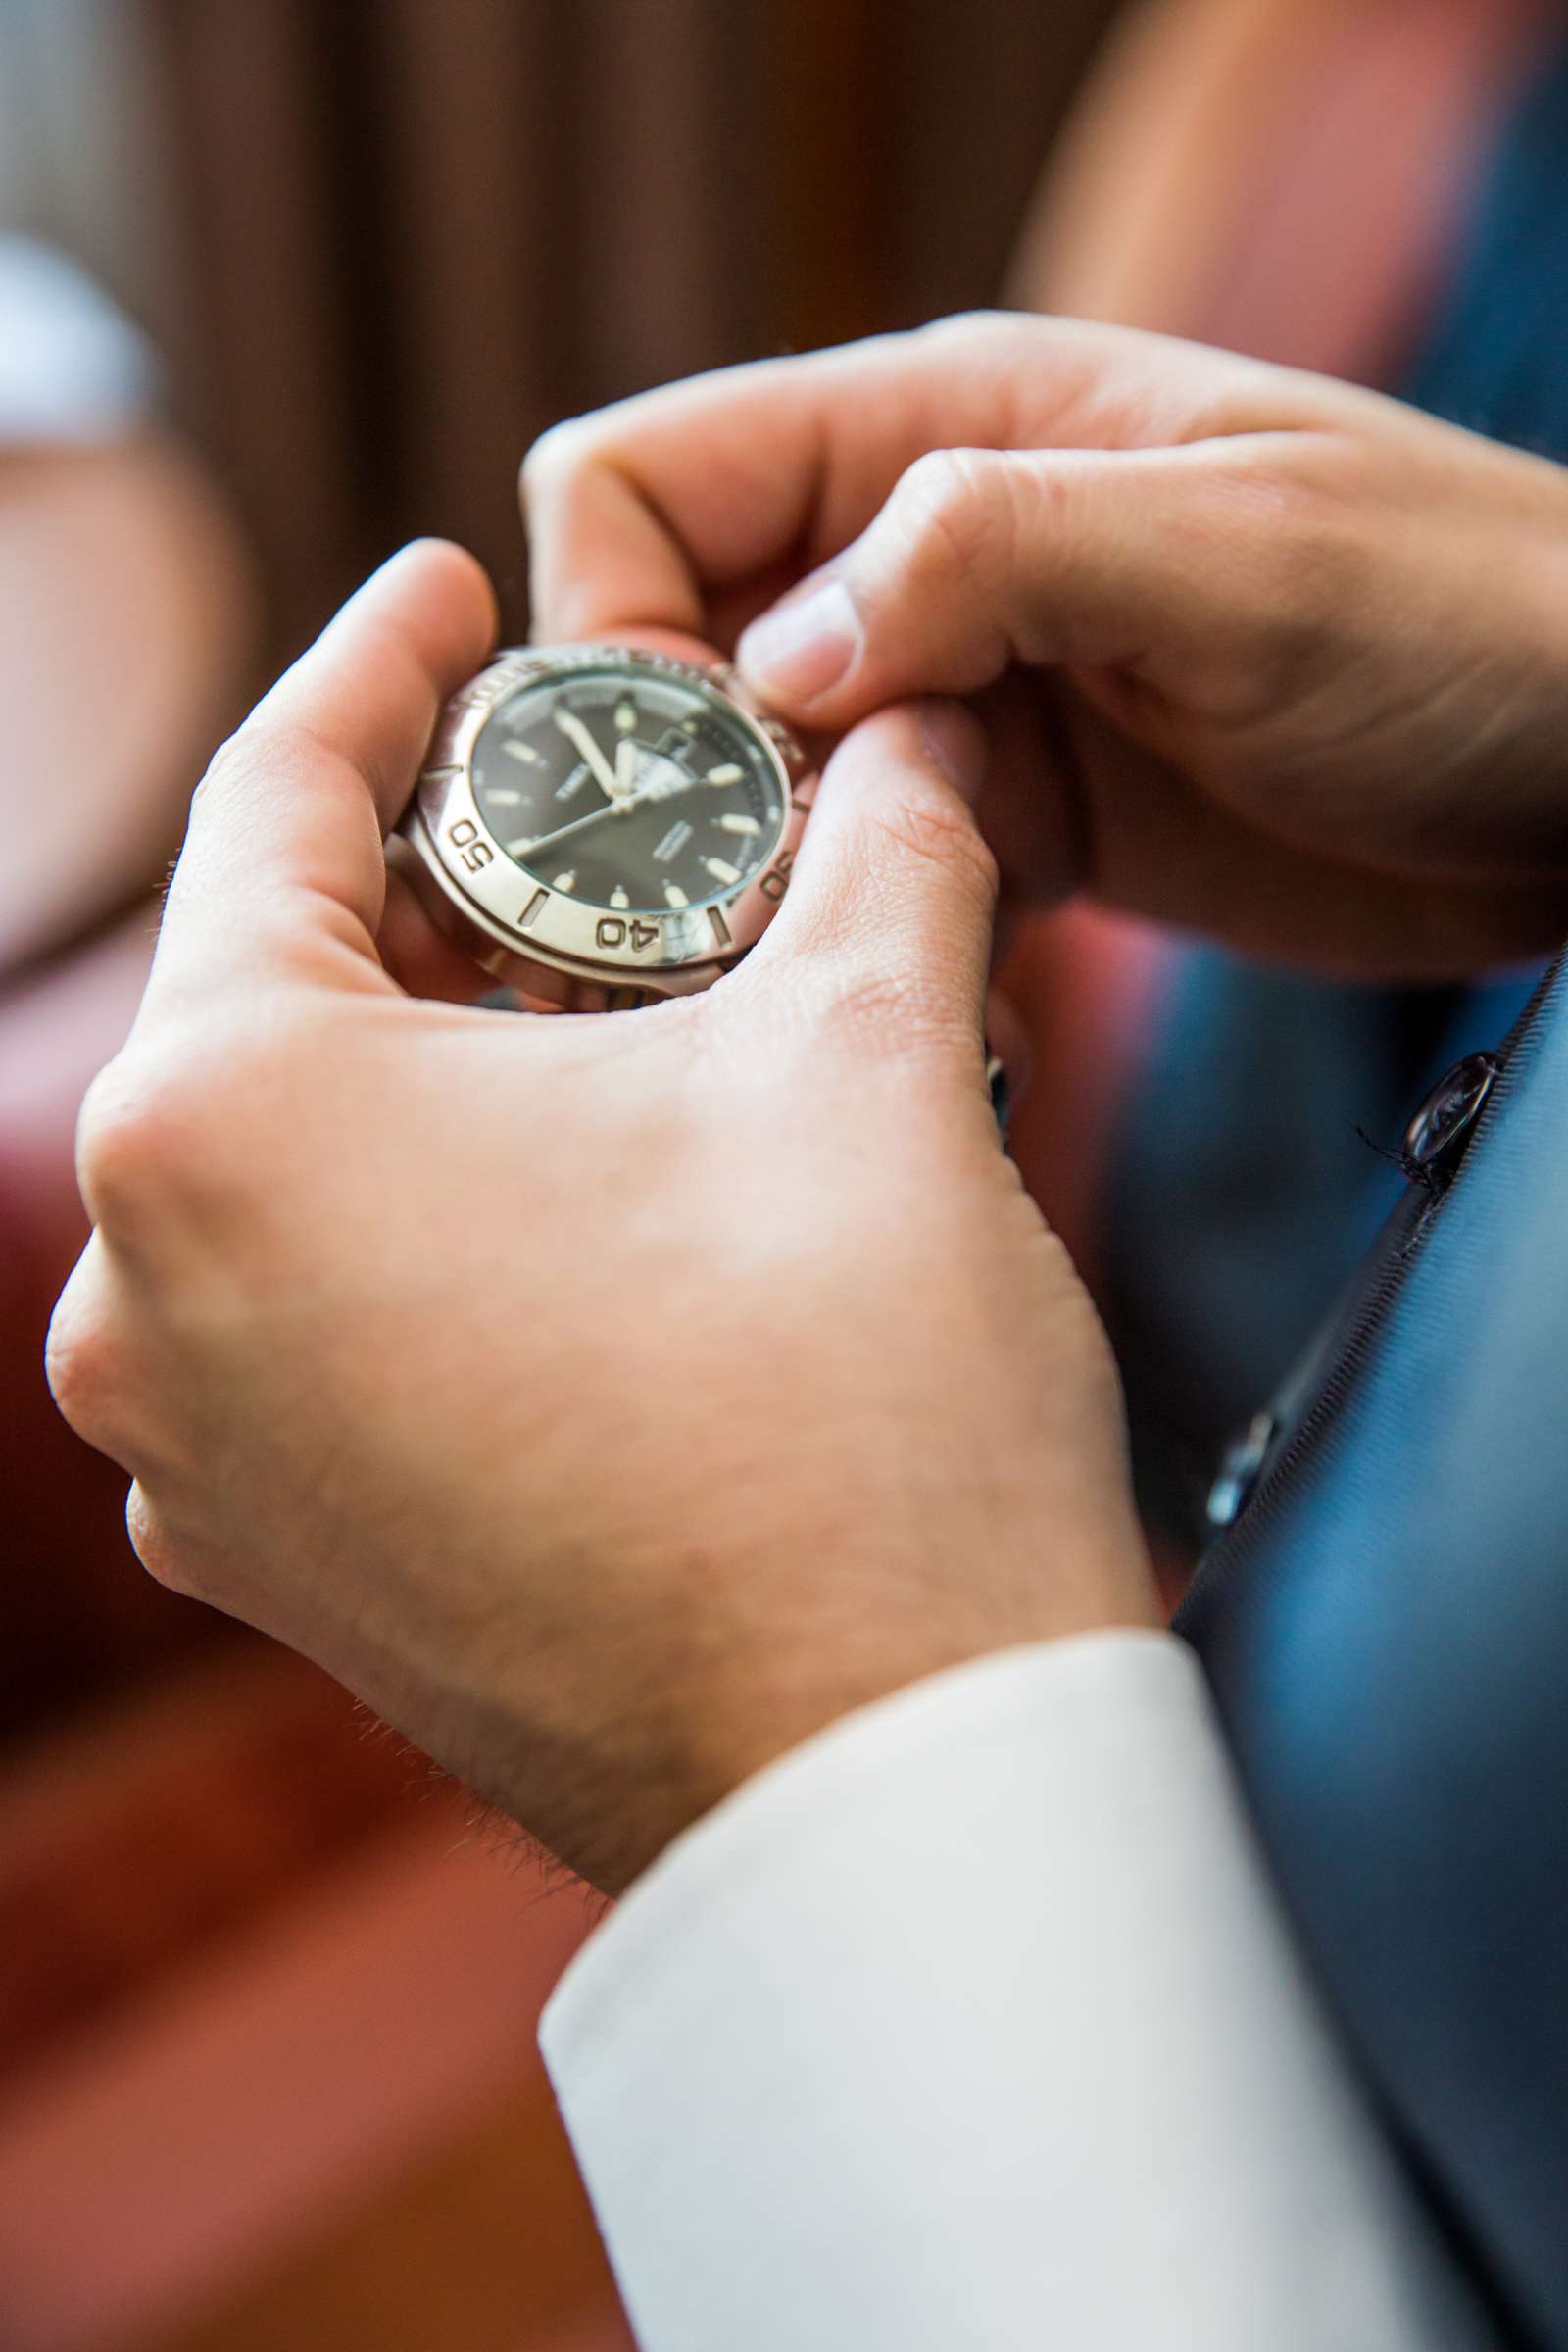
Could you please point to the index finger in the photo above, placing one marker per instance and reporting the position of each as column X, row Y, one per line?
column 283, row 857
column 660, row 509
column 641, row 513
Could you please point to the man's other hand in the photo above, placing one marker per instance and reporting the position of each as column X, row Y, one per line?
column 1264, row 655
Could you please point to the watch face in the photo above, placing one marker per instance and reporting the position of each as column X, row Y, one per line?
column 624, row 790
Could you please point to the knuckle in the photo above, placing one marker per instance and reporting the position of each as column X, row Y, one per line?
column 1305, row 502
column 1285, row 526
column 81, row 1356
column 930, row 828
column 267, row 743
column 933, row 494
column 165, row 1561
column 899, row 1020
column 555, row 458
column 233, row 770
column 977, row 325
column 161, row 1142
column 119, row 1148
column 134, row 1138
column 233, row 761
column 951, row 514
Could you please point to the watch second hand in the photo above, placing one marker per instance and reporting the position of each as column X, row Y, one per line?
column 622, row 805
column 579, row 824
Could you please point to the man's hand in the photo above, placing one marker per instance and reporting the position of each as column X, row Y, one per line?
column 1268, row 656
column 610, row 1401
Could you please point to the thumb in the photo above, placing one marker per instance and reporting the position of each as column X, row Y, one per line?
column 892, row 903
column 980, row 558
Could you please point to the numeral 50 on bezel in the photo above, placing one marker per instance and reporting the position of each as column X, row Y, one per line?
column 473, row 851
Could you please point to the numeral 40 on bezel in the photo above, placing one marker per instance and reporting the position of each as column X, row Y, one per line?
column 613, row 932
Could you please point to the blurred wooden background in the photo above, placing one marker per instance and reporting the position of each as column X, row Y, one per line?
column 415, row 234
column 267, row 2003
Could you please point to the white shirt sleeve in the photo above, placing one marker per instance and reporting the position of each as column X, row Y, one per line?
column 973, row 2024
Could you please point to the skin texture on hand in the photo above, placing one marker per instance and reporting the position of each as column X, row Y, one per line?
column 1261, row 654
column 610, row 1401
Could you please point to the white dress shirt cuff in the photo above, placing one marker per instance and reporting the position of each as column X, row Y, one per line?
column 974, row 2023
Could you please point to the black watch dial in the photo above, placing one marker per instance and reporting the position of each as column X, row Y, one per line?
column 629, row 791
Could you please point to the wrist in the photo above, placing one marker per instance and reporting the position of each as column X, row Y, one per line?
column 744, row 1700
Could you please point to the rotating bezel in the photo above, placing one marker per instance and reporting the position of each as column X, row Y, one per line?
column 662, row 951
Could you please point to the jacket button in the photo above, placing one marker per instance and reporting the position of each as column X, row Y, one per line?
column 1000, row 1092
column 1436, row 1139
column 1241, row 1465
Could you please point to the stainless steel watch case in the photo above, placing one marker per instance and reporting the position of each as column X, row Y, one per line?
column 545, row 944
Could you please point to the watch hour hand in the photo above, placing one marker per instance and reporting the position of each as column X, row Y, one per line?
column 571, row 726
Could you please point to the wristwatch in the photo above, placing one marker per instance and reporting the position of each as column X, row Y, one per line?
column 600, row 826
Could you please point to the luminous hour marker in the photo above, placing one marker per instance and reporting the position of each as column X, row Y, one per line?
column 737, row 824
column 619, row 897
column 675, row 894
column 731, row 773
column 565, row 881
column 521, row 751
column 721, row 871
column 503, row 795
column 625, row 716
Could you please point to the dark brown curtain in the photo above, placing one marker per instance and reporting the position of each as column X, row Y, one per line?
column 417, row 231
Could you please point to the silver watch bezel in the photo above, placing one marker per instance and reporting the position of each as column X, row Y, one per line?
column 537, row 937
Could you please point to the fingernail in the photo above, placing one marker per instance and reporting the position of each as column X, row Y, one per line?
column 955, row 742
column 804, row 646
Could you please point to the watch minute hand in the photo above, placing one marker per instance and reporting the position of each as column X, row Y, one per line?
column 625, row 766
